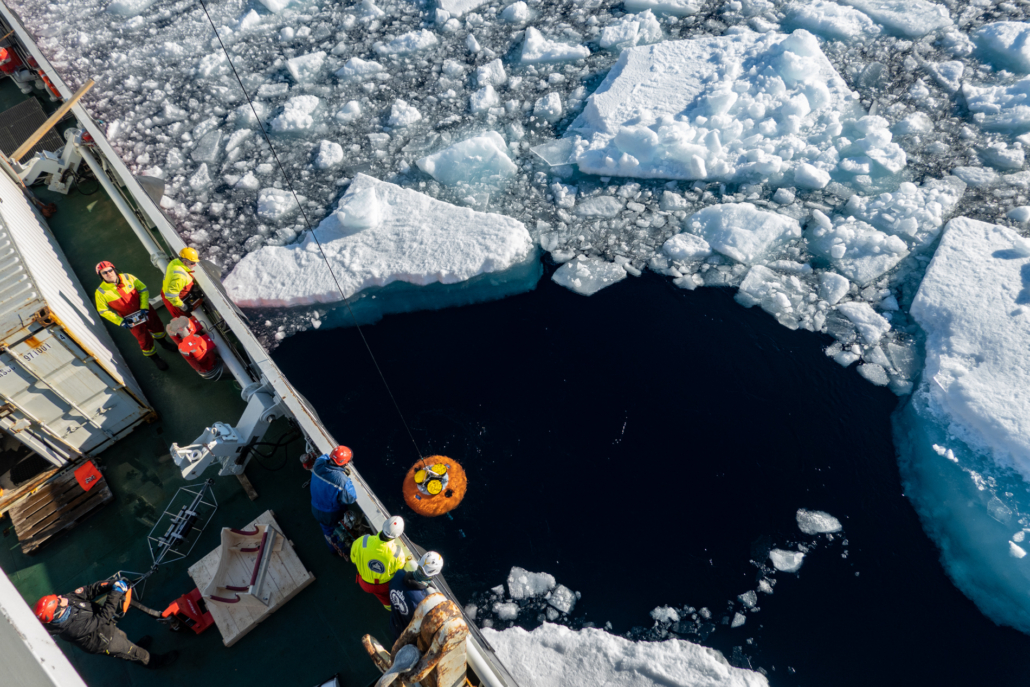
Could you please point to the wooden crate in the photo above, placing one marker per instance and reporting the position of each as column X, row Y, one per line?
column 58, row 505
column 286, row 576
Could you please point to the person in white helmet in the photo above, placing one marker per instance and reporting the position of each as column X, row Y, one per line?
column 379, row 557
column 409, row 587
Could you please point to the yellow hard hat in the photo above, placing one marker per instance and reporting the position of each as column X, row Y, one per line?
column 190, row 254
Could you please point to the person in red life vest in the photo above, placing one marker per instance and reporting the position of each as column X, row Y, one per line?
column 119, row 298
column 179, row 283
column 12, row 66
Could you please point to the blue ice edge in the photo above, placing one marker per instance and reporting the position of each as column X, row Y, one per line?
column 970, row 507
column 372, row 304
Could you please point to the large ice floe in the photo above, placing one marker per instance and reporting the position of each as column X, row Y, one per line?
column 964, row 438
column 380, row 234
column 750, row 107
column 556, row 656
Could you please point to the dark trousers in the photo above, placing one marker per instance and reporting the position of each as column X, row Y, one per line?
column 328, row 523
column 119, row 646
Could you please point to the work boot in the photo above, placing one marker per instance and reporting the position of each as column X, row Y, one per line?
column 161, row 365
column 144, row 642
column 158, row 661
column 167, row 345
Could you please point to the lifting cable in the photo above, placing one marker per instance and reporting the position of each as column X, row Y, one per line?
column 311, row 230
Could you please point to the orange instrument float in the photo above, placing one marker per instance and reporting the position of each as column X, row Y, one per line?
column 434, row 486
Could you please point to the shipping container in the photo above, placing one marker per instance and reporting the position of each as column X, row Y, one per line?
column 65, row 390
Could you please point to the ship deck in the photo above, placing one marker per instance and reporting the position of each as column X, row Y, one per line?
column 315, row 635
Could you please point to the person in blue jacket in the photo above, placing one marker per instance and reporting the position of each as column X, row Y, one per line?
column 409, row 587
column 331, row 492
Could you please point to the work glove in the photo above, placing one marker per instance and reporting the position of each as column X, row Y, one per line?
column 125, row 324
column 121, row 586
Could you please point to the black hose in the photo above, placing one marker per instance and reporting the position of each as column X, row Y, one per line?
column 284, row 441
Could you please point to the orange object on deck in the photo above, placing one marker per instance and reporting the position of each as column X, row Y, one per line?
column 87, row 475
column 434, row 486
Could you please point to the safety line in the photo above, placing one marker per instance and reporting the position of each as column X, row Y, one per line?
column 311, row 230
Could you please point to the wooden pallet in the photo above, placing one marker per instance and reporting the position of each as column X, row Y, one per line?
column 58, row 505
column 286, row 576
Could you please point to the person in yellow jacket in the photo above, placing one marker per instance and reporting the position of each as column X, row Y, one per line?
column 122, row 295
column 179, row 282
column 379, row 557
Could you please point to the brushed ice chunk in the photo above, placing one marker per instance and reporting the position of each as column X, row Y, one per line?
column 1005, row 45
column 741, row 231
column 786, row 561
column 306, row 68
column 297, row 114
column 870, row 324
column 537, row 49
column 830, row 20
column 675, row 8
column 686, row 248
column 523, row 584
column 587, row 276
column 817, row 522
column 906, row 18
column 481, row 159
column 631, row 30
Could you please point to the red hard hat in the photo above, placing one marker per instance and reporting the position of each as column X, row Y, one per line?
column 3, row 54
column 46, row 607
column 101, row 266
column 341, row 455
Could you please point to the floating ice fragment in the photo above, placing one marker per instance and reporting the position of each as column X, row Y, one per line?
column 491, row 74
column 129, row 8
column 537, row 49
column 275, row 6
column 273, row 204
column 306, row 68
column 599, row 206
column 833, row 287
column 817, row 522
column 665, row 614
column 506, row 610
column 738, row 620
column 675, row 8
column 809, row 176
column 976, row 176
column 786, row 561
column 908, row 18
column 749, row 599
column 402, row 114
column 830, row 20
column 587, row 276
column 686, row 248
column 296, row 115
column 329, row 155
column 349, row 112
column 548, row 108
column 857, row 250
column 741, row 231
column 562, row 598
column 456, row 8
column 408, row 43
column 516, row 13
column 357, row 68
column 870, row 324
column 483, row 99
column 914, row 213
column 481, row 159
column 523, row 584
column 1016, row 551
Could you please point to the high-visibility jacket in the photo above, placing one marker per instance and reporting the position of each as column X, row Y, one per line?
column 177, row 280
column 377, row 560
column 115, row 301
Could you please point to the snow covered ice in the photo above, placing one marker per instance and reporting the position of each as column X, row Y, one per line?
column 556, row 656
column 817, row 522
column 380, row 233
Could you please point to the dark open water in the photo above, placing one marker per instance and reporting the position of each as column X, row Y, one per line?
column 642, row 445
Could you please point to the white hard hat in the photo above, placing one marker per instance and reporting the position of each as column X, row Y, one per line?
column 394, row 527
column 430, row 564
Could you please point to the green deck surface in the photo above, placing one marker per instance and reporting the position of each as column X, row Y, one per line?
column 313, row 636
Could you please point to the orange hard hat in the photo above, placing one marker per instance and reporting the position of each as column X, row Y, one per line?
column 47, row 606
column 341, row 455
column 101, row 266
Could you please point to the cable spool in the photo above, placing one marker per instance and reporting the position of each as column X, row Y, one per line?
column 434, row 486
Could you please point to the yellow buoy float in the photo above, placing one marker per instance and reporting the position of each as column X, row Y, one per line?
column 434, row 486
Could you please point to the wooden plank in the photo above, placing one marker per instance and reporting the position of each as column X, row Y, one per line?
column 247, row 486
column 57, row 510
column 286, row 577
column 11, row 496
column 39, row 506
column 50, row 123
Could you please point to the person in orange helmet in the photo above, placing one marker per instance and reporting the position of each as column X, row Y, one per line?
column 332, row 491
column 78, row 619
column 118, row 298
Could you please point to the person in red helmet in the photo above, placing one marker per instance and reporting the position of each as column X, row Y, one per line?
column 120, row 296
column 76, row 618
column 332, row 491
column 12, row 66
